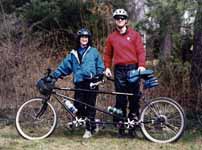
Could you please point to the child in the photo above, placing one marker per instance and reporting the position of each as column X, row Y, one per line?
column 84, row 63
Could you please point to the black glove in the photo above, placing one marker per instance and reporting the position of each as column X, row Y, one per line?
column 45, row 85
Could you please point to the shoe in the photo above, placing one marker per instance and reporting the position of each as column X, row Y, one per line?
column 97, row 128
column 87, row 134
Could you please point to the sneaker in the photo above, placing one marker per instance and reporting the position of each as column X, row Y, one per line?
column 87, row 134
column 97, row 128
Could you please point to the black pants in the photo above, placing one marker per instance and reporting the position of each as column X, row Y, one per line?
column 90, row 99
column 122, row 85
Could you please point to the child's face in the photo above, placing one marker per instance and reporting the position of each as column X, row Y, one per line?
column 83, row 40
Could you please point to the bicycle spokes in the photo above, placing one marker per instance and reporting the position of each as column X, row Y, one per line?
column 33, row 122
column 163, row 121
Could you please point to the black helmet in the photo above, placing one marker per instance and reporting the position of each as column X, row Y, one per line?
column 84, row 32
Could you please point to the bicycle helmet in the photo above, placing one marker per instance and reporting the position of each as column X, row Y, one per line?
column 120, row 12
column 84, row 32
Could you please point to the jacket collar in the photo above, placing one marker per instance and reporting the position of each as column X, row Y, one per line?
column 75, row 53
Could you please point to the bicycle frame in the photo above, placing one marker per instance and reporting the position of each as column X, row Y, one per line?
column 59, row 97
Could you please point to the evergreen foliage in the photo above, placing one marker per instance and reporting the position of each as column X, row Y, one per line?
column 165, row 20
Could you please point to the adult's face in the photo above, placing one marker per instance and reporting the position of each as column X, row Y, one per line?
column 120, row 21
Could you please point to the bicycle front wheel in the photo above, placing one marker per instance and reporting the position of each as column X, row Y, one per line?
column 36, row 119
column 163, row 120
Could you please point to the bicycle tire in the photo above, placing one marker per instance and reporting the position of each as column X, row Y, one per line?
column 163, row 120
column 35, row 128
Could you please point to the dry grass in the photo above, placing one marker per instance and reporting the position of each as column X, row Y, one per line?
column 104, row 140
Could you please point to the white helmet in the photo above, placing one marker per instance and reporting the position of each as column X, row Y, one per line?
column 120, row 12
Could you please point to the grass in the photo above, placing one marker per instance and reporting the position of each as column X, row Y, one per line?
column 106, row 139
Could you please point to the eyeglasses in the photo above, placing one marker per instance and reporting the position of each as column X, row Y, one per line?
column 120, row 18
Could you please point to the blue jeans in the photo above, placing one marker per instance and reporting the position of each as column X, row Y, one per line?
column 122, row 85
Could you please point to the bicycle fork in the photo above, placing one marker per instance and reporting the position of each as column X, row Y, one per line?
column 42, row 109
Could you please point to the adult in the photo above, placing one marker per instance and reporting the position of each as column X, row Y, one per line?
column 124, row 47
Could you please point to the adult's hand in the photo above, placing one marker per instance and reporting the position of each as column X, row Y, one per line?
column 141, row 69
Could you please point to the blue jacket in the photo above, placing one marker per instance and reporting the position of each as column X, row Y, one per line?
column 90, row 65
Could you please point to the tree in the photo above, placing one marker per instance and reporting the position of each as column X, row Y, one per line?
column 166, row 17
column 136, row 10
column 196, row 68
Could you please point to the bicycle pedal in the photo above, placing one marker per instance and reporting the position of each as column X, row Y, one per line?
column 70, row 125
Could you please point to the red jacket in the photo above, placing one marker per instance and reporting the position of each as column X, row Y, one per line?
column 124, row 49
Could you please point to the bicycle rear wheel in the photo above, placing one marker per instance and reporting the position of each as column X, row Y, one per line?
column 163, row 120
column 199, row 112
column 36, row 119
column 199, row 117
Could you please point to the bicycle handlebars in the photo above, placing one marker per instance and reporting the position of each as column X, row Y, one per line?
column 133, row 75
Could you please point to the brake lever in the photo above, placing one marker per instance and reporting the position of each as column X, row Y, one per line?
column 94, row 85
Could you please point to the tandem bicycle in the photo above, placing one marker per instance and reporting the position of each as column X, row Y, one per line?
column 162, row 119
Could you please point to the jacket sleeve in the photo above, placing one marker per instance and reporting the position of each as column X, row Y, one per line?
column 65, row 68
column 108, row 53
column 141, row 54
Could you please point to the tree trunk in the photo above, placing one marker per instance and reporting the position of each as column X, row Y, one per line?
column 136, row 10
column 166, row 46
column 196, row 68
column 137, row 14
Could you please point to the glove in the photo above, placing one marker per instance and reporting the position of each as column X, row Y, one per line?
column 50, row 79
column 108, row 72
column 45, row 85
column 141, row 69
